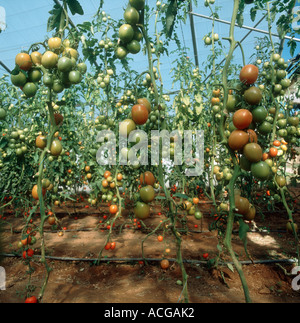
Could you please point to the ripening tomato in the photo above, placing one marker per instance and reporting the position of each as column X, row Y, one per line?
column 23, row 60
column 241, row 204
column 35, row 192
column 242, row 119
column 56, row 148
column 231, row 103
column 250, row 215
column 265, row 156
column 196, row 200
column 253, row 95
column 107, row 174
column 165, row 264
column 238, row 139
column 273, row 152
column 145, row 102
column 249, row 74
column 147, row 178
column 142, row 210
column 51, row 220
column 71, row 52
column 252, row 135
column 147, row 194
column 54, row 43
column 36, row 58
column 49, row 60
column 253, row 152
column 276, row 143
column 280, row 180
column 140, row 114
column 113, row 209
column 126, row 127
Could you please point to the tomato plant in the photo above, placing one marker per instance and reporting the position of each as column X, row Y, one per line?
column 71, row 95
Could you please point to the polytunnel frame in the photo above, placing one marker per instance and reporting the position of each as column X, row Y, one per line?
column 251, row 29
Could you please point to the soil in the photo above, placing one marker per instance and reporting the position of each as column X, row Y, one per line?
column 80, row 235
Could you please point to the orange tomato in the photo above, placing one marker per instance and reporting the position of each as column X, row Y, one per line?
column 165, row 264
column 160, row 238
column 105, row 183
column 26, row 241
column 107, row 174
column 215, row 101
column 273, row 152
column 196, row 200
column 216, row 93
column 113, row 209
column 35, row 192
column 276, row 143
column 23, row 60
column 119, row 177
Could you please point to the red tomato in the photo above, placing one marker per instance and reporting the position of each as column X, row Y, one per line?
column 249, row 74
column 205, row 255
column 242, row 119
column 139, row 113
column 31, row 300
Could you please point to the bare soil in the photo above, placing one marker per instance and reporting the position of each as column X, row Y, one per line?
column 130, row 280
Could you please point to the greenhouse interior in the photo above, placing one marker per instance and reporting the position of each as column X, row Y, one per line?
column 149, row 153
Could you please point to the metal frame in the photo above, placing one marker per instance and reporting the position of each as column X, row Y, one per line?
column 251, row 29
column 243, row 26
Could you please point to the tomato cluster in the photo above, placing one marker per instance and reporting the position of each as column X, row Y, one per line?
column 146, row 196
column 57, row 67
column 129, row 33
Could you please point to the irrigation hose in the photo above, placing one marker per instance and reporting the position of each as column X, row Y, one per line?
column 128, row 260
column 264, row 231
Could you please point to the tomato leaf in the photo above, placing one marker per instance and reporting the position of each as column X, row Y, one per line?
column 171, row 17
column 160, row 197
column 75, row 7
column 182, row 196
column 54, row 19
